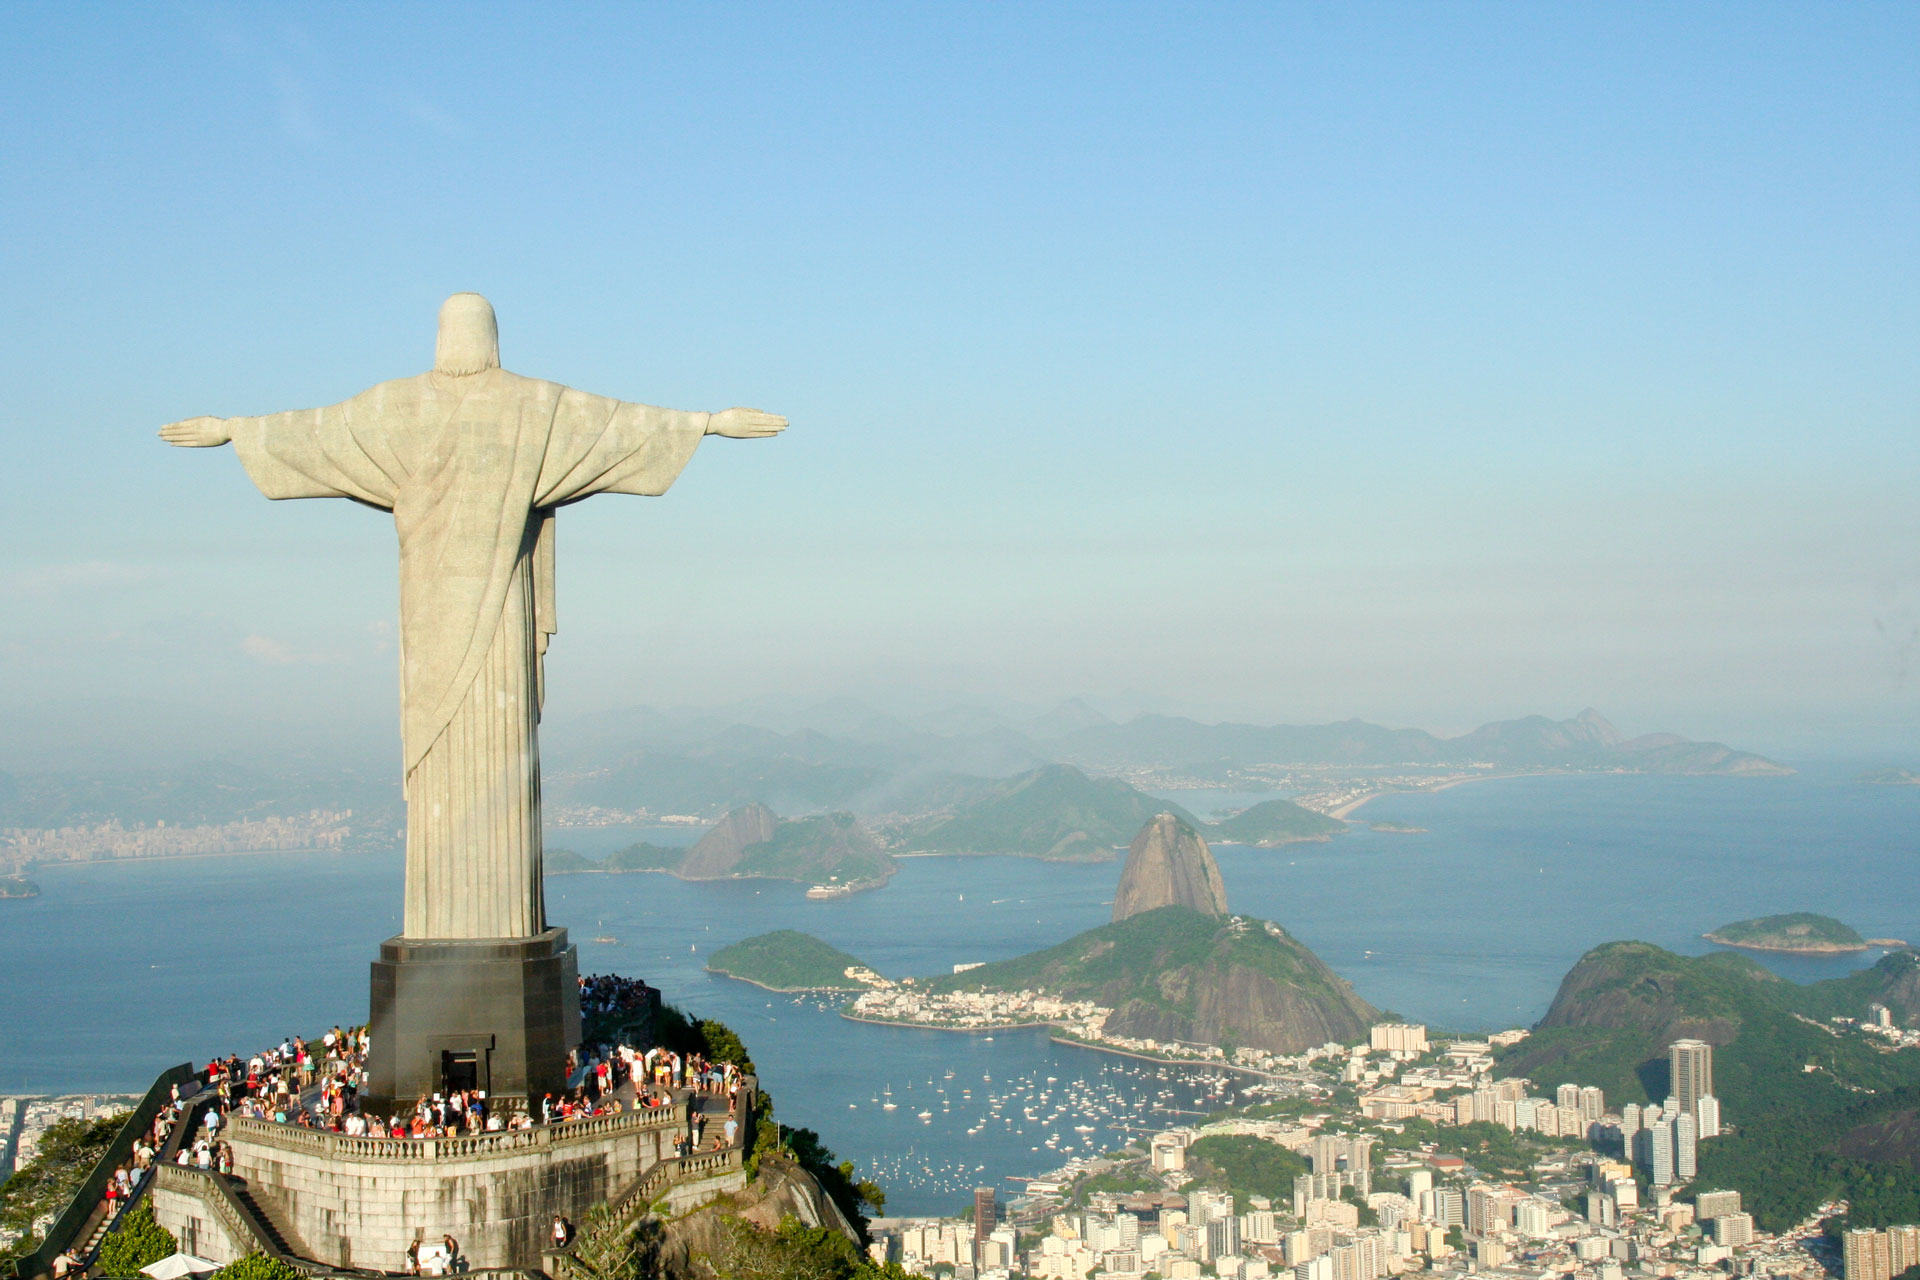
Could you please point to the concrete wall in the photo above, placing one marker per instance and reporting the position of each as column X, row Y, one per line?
column 358, row 1202
column 195, row 1221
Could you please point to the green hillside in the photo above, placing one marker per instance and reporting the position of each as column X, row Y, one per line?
column 645, row 857
column 1052, row 812
column 635, row 857
column 1795, row 931
column 823, row 848
column 786, row 961
column 1175, row 974
column 1791, row 1087
column 1275, row 822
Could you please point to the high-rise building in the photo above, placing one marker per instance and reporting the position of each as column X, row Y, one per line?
column 1223, row 1237
column 1567, row 1095
column 1690, row 1064
column 1593, row 1103
column 986, row 1216
column 1715, row 1204
column 1733, row 1229
column 1903, row 1248
column 1398, row 1037
column 1653, row 1151
column 1686, row 1136
column 1867, row 1254
column 1707, row 1112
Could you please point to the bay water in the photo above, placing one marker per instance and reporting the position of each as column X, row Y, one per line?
column 119, row 970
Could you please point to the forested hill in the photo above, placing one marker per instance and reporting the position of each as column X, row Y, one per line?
column 1176, row 974
column 1054, row 812
column 1588, row 741
column 1817, row 1109
column 1795, row 931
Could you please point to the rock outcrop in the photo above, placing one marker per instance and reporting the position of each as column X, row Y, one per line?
column 700, row 1245
column 1169, row 865
column 719, row 851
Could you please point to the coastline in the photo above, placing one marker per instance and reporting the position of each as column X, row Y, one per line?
column 1057, row 1036
column 1343, row 811
column 1819, row 949
column 785, row 991
column 225, row 853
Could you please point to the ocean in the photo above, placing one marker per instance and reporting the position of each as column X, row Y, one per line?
column 119, row 970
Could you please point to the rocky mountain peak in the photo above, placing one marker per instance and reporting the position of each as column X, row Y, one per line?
column 718, row 851
column 1169, row 865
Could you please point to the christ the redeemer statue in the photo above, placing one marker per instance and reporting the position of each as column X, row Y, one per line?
column 473, row 462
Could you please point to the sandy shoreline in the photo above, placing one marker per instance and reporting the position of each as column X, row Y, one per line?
column 1348, row 808
column 1060, row 1038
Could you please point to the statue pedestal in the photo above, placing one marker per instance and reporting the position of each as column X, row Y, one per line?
column 497, row 1014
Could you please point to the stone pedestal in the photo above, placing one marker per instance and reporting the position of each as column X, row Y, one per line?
column 495, row 1014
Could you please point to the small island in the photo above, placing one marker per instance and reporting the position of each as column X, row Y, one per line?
column 1397, row 828
column 18, row 887
column 1274, row 823
column 788, row 960
column 1799, row 931
column 1890, row 778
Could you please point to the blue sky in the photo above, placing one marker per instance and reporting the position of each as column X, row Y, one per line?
column 1426, row 363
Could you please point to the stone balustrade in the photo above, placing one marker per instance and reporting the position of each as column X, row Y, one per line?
column 340, row 1146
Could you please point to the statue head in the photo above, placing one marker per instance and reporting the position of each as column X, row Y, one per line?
column 469, row 338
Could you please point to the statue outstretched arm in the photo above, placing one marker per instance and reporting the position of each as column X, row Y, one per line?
column 196, row 433
column 745, row 424
column 340, row 451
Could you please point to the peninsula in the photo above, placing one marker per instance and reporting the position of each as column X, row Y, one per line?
column 787, row 960
column 1798, row 931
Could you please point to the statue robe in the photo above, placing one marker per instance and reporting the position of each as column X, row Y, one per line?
column 472, row 468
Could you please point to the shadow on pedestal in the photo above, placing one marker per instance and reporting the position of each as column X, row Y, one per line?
column 498, row 1014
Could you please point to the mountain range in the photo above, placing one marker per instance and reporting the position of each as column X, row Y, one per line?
column 844, row 755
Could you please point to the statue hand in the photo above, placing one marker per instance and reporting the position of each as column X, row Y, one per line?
column 745, row 424
column 196, row 433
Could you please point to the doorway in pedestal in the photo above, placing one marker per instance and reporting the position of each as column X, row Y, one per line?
column 459, row 1070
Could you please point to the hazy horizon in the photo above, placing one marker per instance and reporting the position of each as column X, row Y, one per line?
column 1430, row 367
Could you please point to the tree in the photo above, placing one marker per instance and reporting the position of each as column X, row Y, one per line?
column 257, row 1266
column 137, row 1242
column 43, row 1187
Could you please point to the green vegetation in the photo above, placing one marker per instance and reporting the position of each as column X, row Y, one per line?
column 635, row 857
column 786, row 960
column 44, row 1185
column 1052, row 812
column 257, row 1266
column 1275, row 822
column 642, row 856
column 18, row 887
column 793, row 1252
column 1189, row 974
column 565, row 862
column 1890, row 778
column 137, row 1242
column 1795, row 931
column 1246, row 1166
column 709, row 1037
column 826, row 847
column 1817, row 1111
column 1119, row 1182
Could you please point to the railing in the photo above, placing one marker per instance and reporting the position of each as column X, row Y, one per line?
column 211, row 1191
column 66, row 1229
column 633, row 1203
column 340, row 1146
